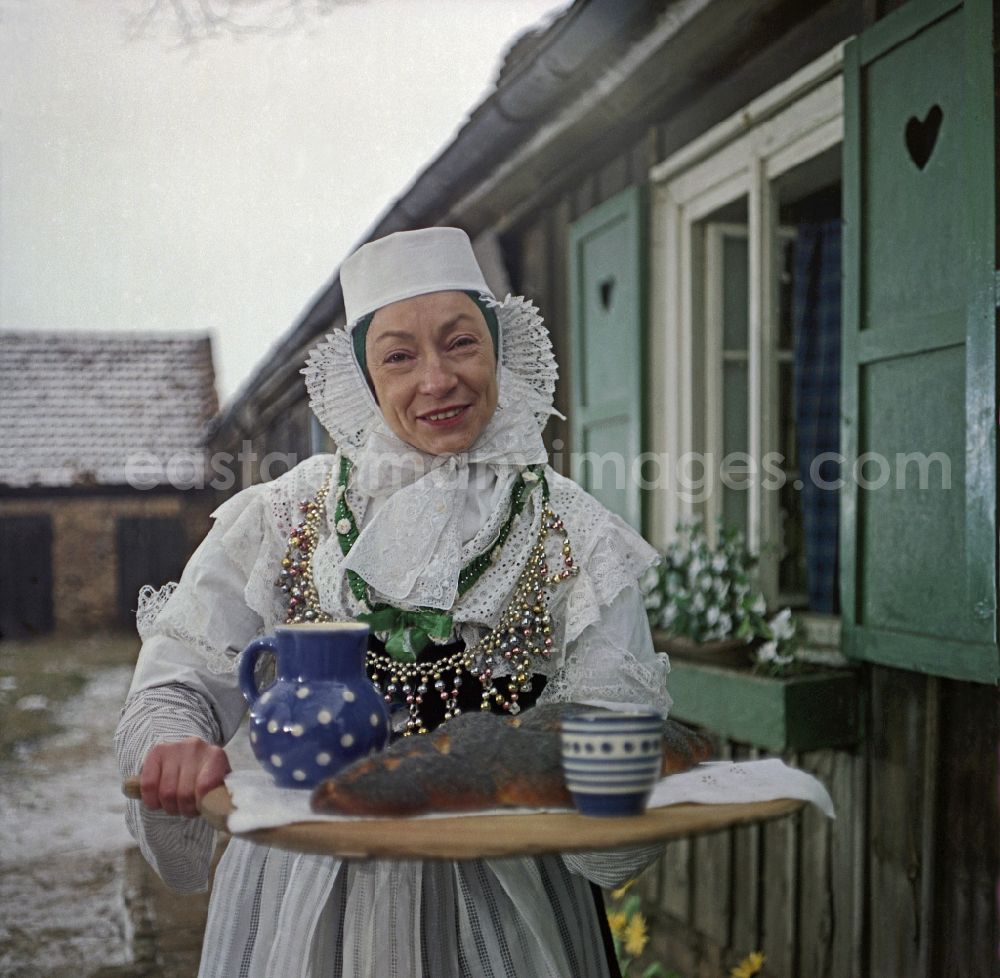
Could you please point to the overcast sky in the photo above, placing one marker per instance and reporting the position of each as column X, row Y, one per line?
column 147, row 184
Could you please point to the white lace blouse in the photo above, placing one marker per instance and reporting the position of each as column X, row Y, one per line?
column 278, row 913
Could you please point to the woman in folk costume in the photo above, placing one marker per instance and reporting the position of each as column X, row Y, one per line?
column 427, row 524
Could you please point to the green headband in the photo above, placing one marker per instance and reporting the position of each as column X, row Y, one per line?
column 360, row 332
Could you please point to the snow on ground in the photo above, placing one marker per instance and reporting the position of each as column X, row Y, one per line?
column 63, row 842
column 63, row 797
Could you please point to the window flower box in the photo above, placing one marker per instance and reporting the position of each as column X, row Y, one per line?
column 806, row 711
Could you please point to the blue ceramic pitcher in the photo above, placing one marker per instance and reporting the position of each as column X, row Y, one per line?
column 322, row 711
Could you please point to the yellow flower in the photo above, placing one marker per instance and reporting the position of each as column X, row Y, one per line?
column 622, row 890
column 635, row 935
column 617, row 921
column 749, row 966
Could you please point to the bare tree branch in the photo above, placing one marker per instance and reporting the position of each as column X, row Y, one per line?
column 191, row 21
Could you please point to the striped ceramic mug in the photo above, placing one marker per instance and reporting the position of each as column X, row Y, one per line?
column 611, row 760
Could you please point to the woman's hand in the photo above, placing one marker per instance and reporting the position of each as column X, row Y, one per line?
column 175, row 777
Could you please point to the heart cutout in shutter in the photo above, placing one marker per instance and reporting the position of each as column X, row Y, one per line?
column 921, row 136
column 607, row 287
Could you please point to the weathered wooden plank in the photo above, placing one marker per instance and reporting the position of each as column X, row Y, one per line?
column 710, row 962
column 746, row 877
column 678, row 946
column 928, row 829
column 532, row 272
column 643, row 156
column 648, row 885
column 848, row 861
column 613, row 178
column 966, row 926
column 780, row 893
column 557, row 320
column 815, row 897
column 712, row 898
column 532, row 275
column 896, row 821
column 584, row 196
column 676, row 886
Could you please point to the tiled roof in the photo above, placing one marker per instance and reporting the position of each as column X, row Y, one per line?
column 103, row 409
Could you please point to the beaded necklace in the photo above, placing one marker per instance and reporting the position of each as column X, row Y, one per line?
column 523, row 634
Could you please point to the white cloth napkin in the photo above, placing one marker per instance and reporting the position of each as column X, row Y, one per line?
column 726, row 782
column 260, row 804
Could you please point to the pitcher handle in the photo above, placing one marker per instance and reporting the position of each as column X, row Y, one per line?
column 248, row 664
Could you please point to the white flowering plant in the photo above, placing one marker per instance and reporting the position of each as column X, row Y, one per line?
column 705, row 592
column 778, row 655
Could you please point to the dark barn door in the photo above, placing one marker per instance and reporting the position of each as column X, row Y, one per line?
column 25, row 576
column 151, row 550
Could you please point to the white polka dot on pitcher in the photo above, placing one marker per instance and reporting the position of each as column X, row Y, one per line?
column 302, row 692
column 324, row 716
column 323, row 758
column 347, row 740
column 349, row 696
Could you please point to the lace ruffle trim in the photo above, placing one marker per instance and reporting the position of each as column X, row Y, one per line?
column 175, row 611
column 612, row 555
column 632, row 682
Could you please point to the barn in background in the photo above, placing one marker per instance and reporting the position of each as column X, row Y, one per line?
column 103, row 474
column 769, row 229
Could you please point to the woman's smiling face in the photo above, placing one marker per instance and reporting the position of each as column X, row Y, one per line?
column 432, row 364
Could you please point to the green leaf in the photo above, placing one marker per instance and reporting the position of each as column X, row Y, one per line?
column 632, row 905
column 656, row 970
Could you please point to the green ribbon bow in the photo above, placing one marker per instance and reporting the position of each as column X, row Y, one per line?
column 409, row 631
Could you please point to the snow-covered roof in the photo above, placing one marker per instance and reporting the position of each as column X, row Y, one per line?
column 103, row 409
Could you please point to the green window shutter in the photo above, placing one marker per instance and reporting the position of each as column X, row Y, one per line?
column 607, row 310
column 919, row 552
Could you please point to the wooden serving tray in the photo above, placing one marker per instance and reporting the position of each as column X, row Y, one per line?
column 486, row 836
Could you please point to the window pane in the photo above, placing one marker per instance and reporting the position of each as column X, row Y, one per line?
column 813, row 515
column 734, row 507
column 736, row 284
column 734, row 408
column 787, row 443
column 793, row 581
column 786, row 255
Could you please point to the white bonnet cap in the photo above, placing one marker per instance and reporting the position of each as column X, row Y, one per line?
column 398, row 267
column 406, row 264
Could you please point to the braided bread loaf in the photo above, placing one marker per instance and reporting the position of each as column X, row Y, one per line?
column 478, row 761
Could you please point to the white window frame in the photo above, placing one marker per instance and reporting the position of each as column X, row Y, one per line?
column 739, row 158
column 715, row 359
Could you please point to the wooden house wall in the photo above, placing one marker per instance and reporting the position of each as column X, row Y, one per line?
column 535, row 238
column 904, row 881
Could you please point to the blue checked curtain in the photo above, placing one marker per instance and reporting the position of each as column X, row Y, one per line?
column 816, row 324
